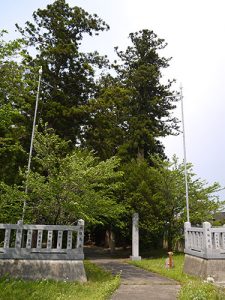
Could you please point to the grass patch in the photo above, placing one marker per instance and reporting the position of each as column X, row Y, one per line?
column 192, row 288
column 100, row 285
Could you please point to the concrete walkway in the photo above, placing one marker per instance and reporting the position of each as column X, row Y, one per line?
column 138, row 284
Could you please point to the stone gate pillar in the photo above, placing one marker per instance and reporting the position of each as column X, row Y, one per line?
column 135, row 238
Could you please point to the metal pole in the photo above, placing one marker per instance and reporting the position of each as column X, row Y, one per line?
column 32, row 139
column 185, row 159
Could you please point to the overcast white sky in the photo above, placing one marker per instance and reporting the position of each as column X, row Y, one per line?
column 194, row 31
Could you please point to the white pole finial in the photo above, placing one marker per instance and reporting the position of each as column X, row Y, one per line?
column 40, row 71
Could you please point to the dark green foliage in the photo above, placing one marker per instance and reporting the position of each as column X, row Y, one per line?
column 68, row 73
column 107, row 128
column 149, row 106
column 132, row 111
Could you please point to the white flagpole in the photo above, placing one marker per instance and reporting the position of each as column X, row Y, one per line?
column 32, row 139
column 185, row 158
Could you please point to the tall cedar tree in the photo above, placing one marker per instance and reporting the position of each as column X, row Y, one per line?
column 133, row 110
column 151, row 102
column 68, row 74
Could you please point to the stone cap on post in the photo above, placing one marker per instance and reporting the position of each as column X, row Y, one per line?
column 80, row 222
column 187, row 225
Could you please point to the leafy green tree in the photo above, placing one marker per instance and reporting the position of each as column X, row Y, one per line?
column 64, row 186
column 56, row 35
column 158, row 194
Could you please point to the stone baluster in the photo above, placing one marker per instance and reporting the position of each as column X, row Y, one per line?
column 69, row 239
column 198, row 240
column 195, row 239
column 29, row 238
column 59, row 239
column 39, row 239
column 201, row 241
column 192, row 239
column 217, row 240
column 49, row 239
column 7, row 238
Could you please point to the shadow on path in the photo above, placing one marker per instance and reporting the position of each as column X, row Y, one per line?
column 94, row 252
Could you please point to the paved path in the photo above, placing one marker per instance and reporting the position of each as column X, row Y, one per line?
column 138, row 284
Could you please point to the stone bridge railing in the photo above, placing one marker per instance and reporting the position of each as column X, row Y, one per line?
column 205, row 242
column 42, row 242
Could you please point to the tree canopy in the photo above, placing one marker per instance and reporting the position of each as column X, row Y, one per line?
column 56, row 36
column 133, row 110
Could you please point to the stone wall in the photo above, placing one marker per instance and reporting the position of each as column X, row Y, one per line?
column 204, row 268
column 66, row 270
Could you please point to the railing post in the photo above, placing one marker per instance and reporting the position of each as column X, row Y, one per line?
column 49, row 239
column 207, row 236
column 59, row 239
column 29, row 238
column 80, row 234
column 187, row 225
column 69, row 239
column 39, row 239
column 217, row 240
